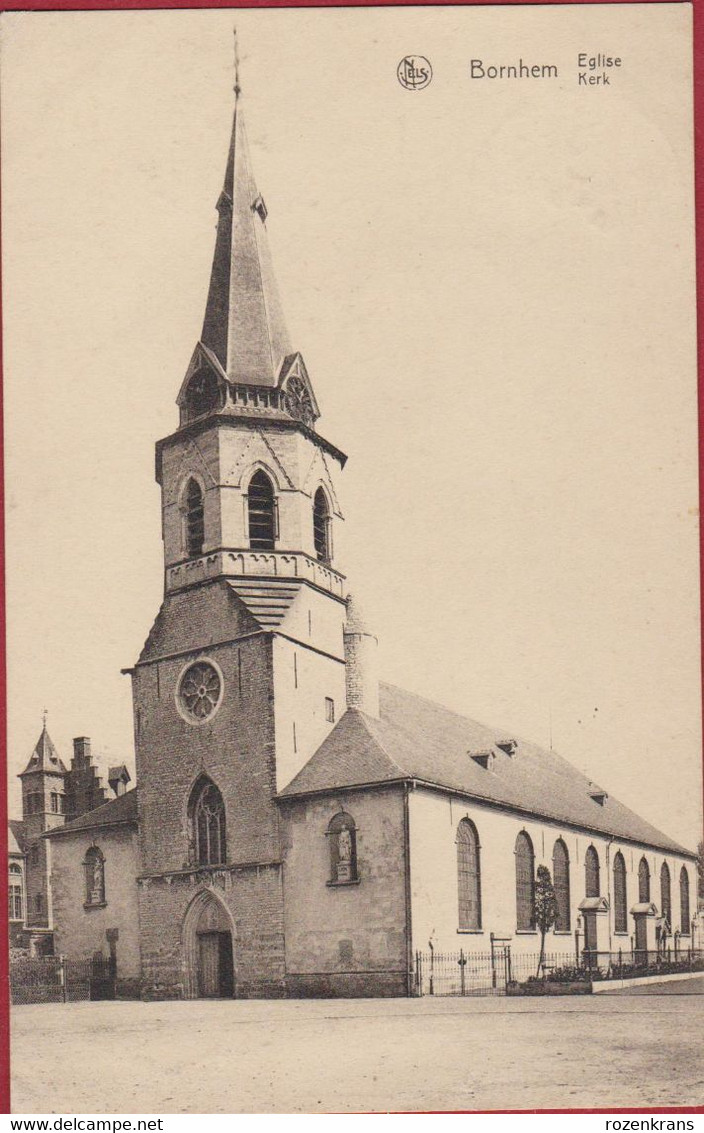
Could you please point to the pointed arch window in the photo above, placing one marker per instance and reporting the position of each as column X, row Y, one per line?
column 643, row 881
column 684, row 901
column 94, row 866
column 592, row 884
column 525, row 883
column 342, row 839
column 322, row 527
column 261, row 512
column 208, row 823
column 194, row 518
column 620, row 901
column 16, row 904
column 561, row 884
column 665, row 893
column 469, row 890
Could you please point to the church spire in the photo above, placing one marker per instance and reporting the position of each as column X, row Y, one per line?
column 243, row 325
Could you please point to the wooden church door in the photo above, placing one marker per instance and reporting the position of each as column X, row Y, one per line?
column 215, row 967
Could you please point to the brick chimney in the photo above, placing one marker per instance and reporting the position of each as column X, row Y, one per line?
column 81, row 751
column 361, row 665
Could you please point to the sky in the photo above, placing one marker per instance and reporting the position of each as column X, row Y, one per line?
column 492, row 284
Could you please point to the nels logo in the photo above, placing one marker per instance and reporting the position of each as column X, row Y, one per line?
column 414, row 72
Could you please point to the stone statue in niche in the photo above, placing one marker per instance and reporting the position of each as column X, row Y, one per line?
column 344, row 855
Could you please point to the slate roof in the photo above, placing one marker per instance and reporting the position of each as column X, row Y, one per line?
column 417, row 739
column 121, row 811
column 15, row 836
column 45, row 757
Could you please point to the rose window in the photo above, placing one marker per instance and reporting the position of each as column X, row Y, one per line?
column 200, row 689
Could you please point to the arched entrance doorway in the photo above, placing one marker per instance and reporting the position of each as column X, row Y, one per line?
column 207, row 938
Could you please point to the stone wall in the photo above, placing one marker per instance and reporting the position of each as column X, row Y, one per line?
column 345, row 940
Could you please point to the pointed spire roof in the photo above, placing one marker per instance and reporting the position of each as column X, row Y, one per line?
column 45, row 757
column 243, row 325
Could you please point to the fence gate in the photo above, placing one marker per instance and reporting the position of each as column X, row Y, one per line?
column 463, row 973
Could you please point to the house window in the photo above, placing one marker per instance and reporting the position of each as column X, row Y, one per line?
column 15, row 911
column 469, row 890
column 322, row 527
column 591, row 873
column 194, row 516
column 525, row 883
column 643, row 881
column 208, row 823
column 684, row 902
column 665, row 894
column 329, row 710
column 94, row 865
column 54, row 802
column 261, row 509
column 342, row 836
column 620, row 902
column 561, row 884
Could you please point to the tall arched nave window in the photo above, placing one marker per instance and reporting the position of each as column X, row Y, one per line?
column 525, row 883
column 561, row 885
column 684, row 901
column 643, row 882
column 469, row 890
column 620, row 901
column 665, row 893
column 592, row 885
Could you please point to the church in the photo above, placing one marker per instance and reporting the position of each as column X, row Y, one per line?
column 299, row 828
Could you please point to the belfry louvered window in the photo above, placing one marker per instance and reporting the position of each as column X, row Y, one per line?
column 208, row 819
column 525, row 883
column 684, row 902
column 561, row 885
column 321, row 527
column 468, row 877
column 194, row 519
column 591, row 873
column 620, row 901
column 261, row 510
column 643, row 881
column 665, row 893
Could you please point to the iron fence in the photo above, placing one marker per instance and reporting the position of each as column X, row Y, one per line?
column 492, row 973
column 54, row 979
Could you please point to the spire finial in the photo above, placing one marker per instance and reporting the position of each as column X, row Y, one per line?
column 237, row 87
column 45, row 713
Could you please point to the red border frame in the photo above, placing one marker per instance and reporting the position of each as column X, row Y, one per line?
column 127, row 5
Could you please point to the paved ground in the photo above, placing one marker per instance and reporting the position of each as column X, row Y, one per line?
column 358, row 1055
column 692, row 986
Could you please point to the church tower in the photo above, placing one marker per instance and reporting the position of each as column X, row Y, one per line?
column 242, row 675
column 43, row 782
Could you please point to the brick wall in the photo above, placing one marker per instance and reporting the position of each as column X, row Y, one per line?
column 252, row 898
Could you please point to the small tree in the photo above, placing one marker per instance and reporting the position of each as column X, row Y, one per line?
column 545, row 908
column 700, row 871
